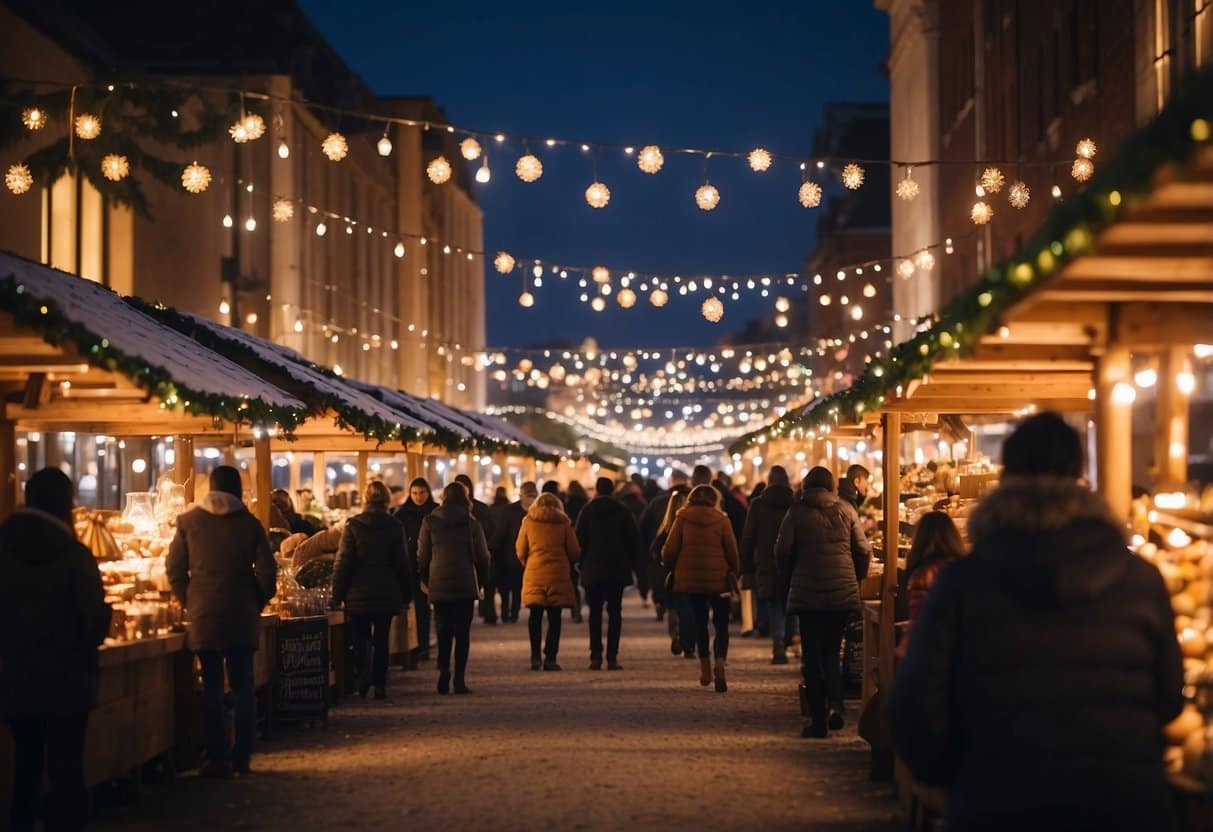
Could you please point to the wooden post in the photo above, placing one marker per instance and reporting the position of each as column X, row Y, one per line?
column 882, row 750
column 531, row 471
column 320, row 479
column 1114, row 431
column 183, row 465
column 262, row 484
column 8, row 467
column 412, row 465
column 296, row 464
column 1171, row 422
column 364, row 458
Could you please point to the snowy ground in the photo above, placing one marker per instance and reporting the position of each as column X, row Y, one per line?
column 645, row 748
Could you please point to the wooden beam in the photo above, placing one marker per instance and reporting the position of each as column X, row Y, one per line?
column 1127, row 291
column 994, row 351
column 1171, row 422
column 183, row 465
column 1159, row 325
column 963, row 406
column 346, row 443
column 37, row 392
column 1114, row 431
column 363, row 463
column 262, row 483
column 320, row 478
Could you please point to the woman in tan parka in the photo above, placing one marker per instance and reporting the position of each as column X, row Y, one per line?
column 547, row 548
column 701, row 552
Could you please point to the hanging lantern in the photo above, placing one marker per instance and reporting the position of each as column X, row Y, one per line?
column 33, row 118
column 626, row 298
column 707, row 197
column 528, row 168
column 659, row 298
column 88, row 126
column 483, row 174
column 526, row 299
column 924, row 260
column 597, row 195
column 650, row 159
column 470, row 148
column 759, row 160
column 335, row 147
column 503, row 262
column 1085, row 149
column 1083, row 169
column 601, row 274
column 195, row 178
column 283, row 210
column 1019, row 194
column 810, row 194
column 907, row 188
column 18, row 179
column 712, row 309
column 852, row 176
column 115, row 167
column 981, row 213
column 438, row 170
column 992, row 180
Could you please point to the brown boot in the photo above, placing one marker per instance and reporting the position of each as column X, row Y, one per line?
column 721, row 684
column 705, row 670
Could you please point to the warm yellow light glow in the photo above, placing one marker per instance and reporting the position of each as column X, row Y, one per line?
column 626, row 298
column 526, row 299
column 907, row 188
column 283, row 210
column 809, row 194
column 438, row 170
column 1082, row 169
column 528, row 168
column 992, row 180
column 470, row 148
column 33, row 118
column 1123, row 394
column 707, row 197
column 905, row 268
column 924, row 260
column 659, row 298
column 1019, row 195
column 1085, row 149
column 712, row 309
column 1185, row 382
column 1146, row 378
column 115, row 167
column 384, row 146
column 335, row 147
column 504, row 262
column 195, row 178
column 650, row 159
column 598, row 303
column 981, row 213
column 597, row 195
column 759, row 160
column 88, row 126
column 18, row 179
column 852, row 176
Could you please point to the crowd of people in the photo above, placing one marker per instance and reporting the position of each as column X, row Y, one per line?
column 1049, row 634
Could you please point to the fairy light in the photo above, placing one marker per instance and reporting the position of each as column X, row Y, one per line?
column 598, row 195
column 759, row 159
column 438, row 170
column 650, row 159
column 528, row 168
column 809, row 194
column 335, row 147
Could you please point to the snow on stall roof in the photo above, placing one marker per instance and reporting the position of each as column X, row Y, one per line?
column 299, row 369
column 513, row 433
column 415, row 406
column 137, row 335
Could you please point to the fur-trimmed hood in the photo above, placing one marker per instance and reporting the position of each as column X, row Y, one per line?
column 546, row 514
column 220, row 503
column 1051, row 541
column 702, row 515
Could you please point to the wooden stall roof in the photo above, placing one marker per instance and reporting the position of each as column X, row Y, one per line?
column 72, row 353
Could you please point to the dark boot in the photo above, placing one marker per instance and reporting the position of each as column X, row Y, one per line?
column 813, row 730
column 550, row 665
column 536, row 662
column 676, row 646
column 780, row 655
column 595, row 662
column 705, row 670
column 721, row 684
column 835, row 722
column 444, row 683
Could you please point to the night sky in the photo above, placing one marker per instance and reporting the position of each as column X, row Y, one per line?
column 719, row 75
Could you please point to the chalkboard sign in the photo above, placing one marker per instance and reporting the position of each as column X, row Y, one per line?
column 303, row 668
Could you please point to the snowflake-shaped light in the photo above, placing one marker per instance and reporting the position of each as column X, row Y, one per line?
column 18, row 179
column 707, row 197
column 759, row 159
column 626, row 298
column 438, row 170
column 33, row 118
column 504, row 262
column 598, row 195
column 981, row 213
column 712, row 309
column 528, row 168
column 249, row 128
column 992, row 180
column 115, row 167
column 907, row 188
column 335, row 147
column 809, row 194
column 905, row 268
column 1082, row 169
column 283, row 210
column 195, row 178
column 1019, row 195
column 650, row 159
column 1085, row 149
column 924, row 260
column 470, row 148
column 88, row 126
column 852, row 176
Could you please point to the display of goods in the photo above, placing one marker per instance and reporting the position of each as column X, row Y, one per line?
column 315, row 573
column 94, row 533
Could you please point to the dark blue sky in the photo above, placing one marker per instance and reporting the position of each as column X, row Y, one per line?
column 728, row 75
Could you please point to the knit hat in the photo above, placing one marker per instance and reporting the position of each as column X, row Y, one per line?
column 225, row 478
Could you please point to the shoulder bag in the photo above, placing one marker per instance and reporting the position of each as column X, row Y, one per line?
column 472, row 555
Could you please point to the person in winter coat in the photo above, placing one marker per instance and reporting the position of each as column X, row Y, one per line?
column 757, row 550
column 454, row 557
column 547, row 548
column 702, row 552
column 854, row 486
column 631, row 495
column 610, row 546
column 650, row 523
column 480, row 510
column 221, row 570
column 411, row 515
column 1044, row 665
column 729, row 503
column 575, row 500
column 371, row 578
column 53, row 616
column 823, row 554
column 507, row 522
column 936, row 544
column 295, row 522
column 679, row 617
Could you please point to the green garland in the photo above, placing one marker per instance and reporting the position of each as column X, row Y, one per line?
column 57, row 329
column 133, row 117
column 1068, row 232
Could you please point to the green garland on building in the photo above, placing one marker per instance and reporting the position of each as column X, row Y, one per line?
column 1068, row 232
column 57, row 329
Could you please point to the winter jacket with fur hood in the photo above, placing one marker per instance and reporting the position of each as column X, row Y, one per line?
column 757, row 546
column 221, row 570
column 451, row 542
column 701, row 551
column 610, row 544
column 822, row 553
column 547, row 548
column 371, row 573
column 52, row 617
column 1042, row 670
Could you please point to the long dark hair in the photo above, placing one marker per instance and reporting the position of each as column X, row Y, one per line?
column 935, row 538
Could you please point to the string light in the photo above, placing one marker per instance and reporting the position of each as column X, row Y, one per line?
column 852, row 176
column 650, row 159
column 250, row 224
column 759, row 160
column 992, row 180
column 470, row 148
column 526, row 300
column 384, row 145
column 438, row 170
column 905, row 268
column 1019, row 195
column 1082, row 169
column 659, row 298
column 528, row 168
column 249, row 127
column 598, row 304
column 712, row 309
column 33, row 118
column 707, row 197
column 981, row 213
column 1085, row 149
column 195, row 178
column 284, row 150
column 924, row 260
column 810, row 194
column 18, row 179
column 626, row 298
column 283, row 210
column 483, row 174
column 503, row 262
column 398, row 250
column 115, row 167
column 597, row 195
column 335, row 147
column 907, row 188
column 782, row 304
column 88, row 126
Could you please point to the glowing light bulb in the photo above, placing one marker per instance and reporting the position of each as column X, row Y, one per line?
column 1123, row 394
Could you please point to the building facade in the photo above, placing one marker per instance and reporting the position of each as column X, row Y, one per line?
column 377, row 272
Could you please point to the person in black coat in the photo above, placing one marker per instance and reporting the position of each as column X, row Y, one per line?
column 729, row 503
column 507, row 521
column 757, row 550
column 854, row 486
column 610, row 549
column 371, row 578
column 411, row 515
column 480, row 510
column 650, row 523
column 629, row 494
column 53, row 616
column 1043, row 666
column 575, row 500
column 823, row 554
